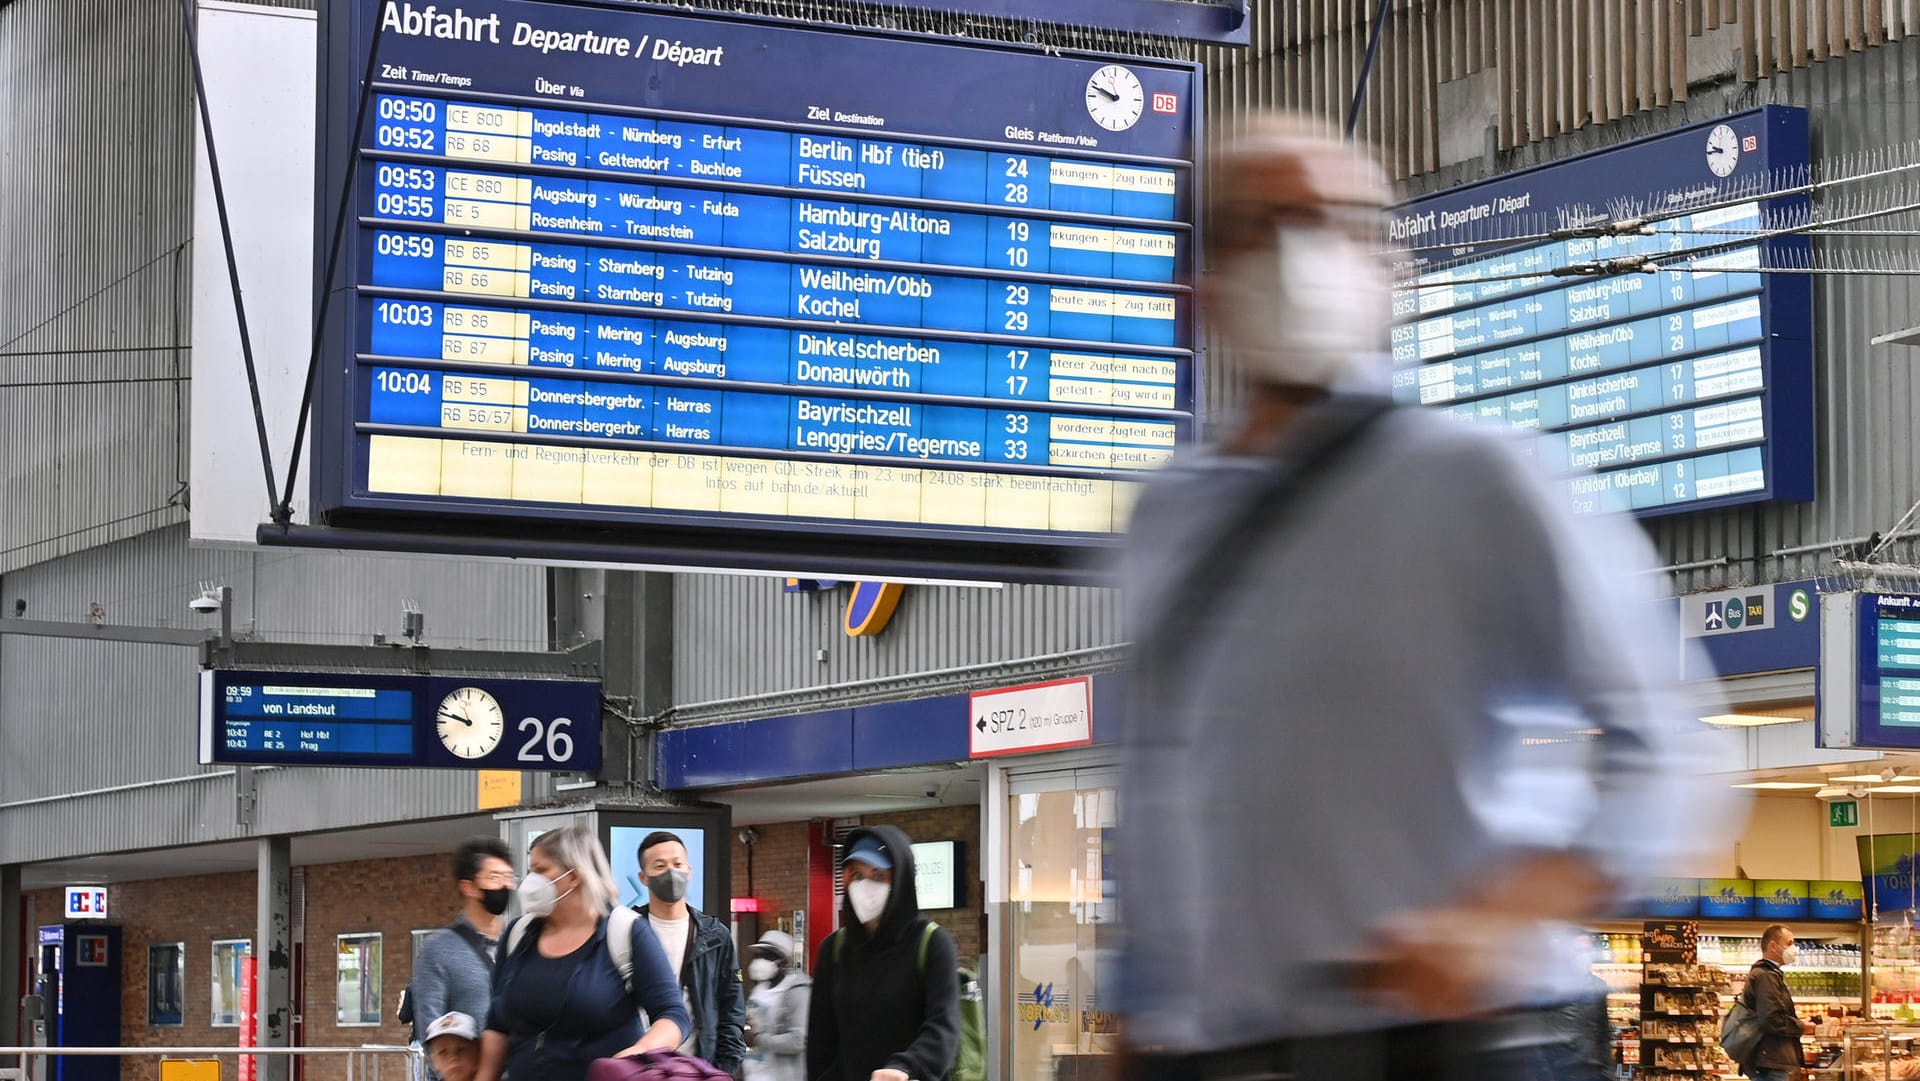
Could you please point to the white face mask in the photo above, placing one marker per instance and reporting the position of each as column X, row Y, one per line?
column 760, row 970
column 1790, row 956
column 1311, row 311
column 869, row 899
column 538, row 895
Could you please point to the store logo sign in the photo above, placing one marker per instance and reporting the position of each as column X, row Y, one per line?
column 869, row 608
column 86, row 902
column 1044, row 1006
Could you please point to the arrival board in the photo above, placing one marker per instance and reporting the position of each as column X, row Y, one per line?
column 1652, row 392
column 661, row 269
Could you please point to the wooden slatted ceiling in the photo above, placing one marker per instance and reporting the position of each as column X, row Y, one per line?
column 1555, row 65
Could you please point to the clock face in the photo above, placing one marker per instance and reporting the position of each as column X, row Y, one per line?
column 1723, row 150
column 470, row 722
column 1115, row 99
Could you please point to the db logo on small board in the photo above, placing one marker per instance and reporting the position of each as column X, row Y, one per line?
column 1166, row 103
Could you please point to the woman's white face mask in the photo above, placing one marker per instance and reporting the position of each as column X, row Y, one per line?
column 1311, row 311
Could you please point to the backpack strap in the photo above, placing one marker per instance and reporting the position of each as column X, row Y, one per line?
column 472, row 937
column 1210, row 578
column 518, row 932
column 926, row 936
column 620, row 926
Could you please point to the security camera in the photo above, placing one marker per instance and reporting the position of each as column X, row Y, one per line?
column 205, row 602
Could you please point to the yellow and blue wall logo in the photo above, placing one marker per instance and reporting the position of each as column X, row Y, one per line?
column 869, row 608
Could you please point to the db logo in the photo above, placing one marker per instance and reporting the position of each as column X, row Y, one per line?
column 1166, row 103
column 1749, row 144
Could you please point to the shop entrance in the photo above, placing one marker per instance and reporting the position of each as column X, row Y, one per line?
column 1059, row 923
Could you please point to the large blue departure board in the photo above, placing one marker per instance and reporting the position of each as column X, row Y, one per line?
column 668, row 272
column 1652, row 392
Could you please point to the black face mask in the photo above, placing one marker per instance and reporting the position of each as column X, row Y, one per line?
column 495, row 900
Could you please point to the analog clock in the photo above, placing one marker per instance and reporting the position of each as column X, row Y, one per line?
column 1723, row 150
column 470, row 722
column 1115, row 98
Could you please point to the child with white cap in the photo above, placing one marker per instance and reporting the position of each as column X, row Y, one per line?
column 453, row 1046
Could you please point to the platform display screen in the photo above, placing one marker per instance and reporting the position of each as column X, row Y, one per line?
column 638, row 270
column 448, row 722
column 1652, row 392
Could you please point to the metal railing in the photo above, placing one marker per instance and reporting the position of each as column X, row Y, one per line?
column 363, row 1062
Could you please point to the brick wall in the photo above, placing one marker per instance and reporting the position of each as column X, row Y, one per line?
column 968, row 925
column 780, row 869
column 779, row 877
column 393, row 897
column 195, row 911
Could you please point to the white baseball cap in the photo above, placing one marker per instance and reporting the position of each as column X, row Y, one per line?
column 452, row 1024
column 778, row 942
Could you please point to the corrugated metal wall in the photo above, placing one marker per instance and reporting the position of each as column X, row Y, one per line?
column 1578, row 74
column 96, row 166
column 95, row 156
column 736, row 636
column 1549, row 66
column 76, row 716
column 1868, row 461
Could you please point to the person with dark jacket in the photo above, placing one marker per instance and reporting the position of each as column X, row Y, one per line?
column 700, row 949
column 1778, row 1056
column 886, row 989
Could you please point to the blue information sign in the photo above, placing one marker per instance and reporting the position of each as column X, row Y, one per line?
column 681, row 273
column 1887, row 670
column 1653, row 392
column 312, row 719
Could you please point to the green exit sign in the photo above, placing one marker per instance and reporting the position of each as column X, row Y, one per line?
column 1842, row 813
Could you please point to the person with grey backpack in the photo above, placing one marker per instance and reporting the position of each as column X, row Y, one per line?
column 1761, row 1032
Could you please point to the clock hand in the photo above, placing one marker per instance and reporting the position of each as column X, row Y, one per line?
column 456, row 717
column 1111, row 96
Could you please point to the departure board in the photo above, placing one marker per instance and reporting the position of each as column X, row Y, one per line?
column 677, row 272
column 402, row 721
column 1869, row 693
column 1652, row 392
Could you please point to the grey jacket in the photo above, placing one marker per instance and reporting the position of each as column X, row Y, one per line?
column 778, row 1013
column 453, row 975
column 1431, row 614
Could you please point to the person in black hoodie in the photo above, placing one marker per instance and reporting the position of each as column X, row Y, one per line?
column 886, row 989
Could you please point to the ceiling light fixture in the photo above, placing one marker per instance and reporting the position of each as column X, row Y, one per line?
column 1746, row 720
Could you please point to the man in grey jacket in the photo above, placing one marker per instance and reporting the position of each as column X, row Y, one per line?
column 1398, row 720
column 777, row 1011
column 1777, row 1058
column 454, row 973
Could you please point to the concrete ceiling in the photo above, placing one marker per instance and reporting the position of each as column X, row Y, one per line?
column 407, row 839
column 878, row 793
column 838, row 797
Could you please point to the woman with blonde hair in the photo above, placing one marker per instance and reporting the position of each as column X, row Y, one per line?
column 575, row 971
